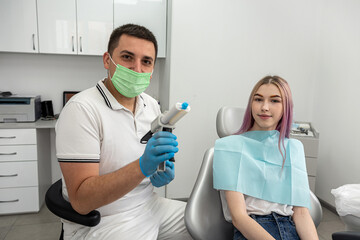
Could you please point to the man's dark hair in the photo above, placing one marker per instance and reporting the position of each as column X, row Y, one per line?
column 132, row 30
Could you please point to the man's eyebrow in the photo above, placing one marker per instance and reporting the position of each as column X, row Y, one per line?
column 128, row 52
column 132, row 54
column 148, row 58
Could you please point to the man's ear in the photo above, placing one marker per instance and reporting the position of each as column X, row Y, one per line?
column 106, row 60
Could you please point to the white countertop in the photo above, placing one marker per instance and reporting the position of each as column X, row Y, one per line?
column 38, row 124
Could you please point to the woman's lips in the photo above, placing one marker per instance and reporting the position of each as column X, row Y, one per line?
column 264, row 117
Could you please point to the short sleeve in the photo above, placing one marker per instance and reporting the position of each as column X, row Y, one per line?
column 77, row 135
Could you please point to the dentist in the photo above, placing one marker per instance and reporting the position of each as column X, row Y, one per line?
column 103, row 163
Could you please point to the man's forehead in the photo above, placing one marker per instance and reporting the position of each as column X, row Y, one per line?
column 136, row 45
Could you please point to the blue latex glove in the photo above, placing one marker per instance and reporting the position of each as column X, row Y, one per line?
column 160, row 147
column 161, row 178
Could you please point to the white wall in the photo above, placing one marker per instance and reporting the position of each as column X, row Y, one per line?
column 219, row 50
column 336, row 101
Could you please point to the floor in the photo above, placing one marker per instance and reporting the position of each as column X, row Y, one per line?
column 46, row 226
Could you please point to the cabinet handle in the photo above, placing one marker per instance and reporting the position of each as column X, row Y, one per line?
column 9, row 201
column 11, row 175
column 73, row 47
column 80, row 45
column 12, row 137
column 7, row 154
column 33, row 38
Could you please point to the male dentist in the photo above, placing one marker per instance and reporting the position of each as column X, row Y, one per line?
column 104, row 165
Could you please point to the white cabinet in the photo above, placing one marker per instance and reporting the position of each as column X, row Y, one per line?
column 24, row 169
column 18, row 26
column 310, row 140
column 74, row 27
column 57, row 26
column 150, row 14
column 94, row 25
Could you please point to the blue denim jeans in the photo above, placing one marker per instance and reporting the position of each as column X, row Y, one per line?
column 280, row 227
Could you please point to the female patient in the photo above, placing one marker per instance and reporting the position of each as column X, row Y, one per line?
column 263, row 172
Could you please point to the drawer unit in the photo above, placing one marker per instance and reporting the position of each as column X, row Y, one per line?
column 24, row 170
column 311, row 164
column 16, row 200
column 311, row 148
column 17, row 136
column 18, row 153
column 14, row 174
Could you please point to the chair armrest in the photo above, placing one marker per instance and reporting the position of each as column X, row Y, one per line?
column 63, row 209
column 346, row 235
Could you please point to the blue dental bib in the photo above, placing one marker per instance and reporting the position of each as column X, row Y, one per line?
column 251, row 163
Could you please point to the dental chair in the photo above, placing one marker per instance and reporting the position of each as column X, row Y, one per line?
column 60, row 207
column 204, row 217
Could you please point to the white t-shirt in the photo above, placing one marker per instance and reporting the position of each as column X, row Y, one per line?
column 257, row 206
column 95, row 127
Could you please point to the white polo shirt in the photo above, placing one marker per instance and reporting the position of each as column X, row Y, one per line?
column 95, row 127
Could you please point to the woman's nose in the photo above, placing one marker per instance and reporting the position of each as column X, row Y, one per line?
column 265, row 106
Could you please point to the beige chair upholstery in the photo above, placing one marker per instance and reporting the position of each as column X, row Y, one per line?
column 204, row 218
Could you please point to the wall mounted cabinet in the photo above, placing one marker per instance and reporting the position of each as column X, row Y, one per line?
column 74, row 27
column 150, row 14
column 94, row 26
column 18, row 26
column 57, row 26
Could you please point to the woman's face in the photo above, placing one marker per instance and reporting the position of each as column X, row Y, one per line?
column 266, row 108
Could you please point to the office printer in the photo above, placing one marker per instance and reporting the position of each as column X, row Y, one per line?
column 17, row 108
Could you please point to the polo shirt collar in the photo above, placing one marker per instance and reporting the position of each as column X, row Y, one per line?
column 111, row 101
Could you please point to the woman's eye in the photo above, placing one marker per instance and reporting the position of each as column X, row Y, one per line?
column 275, row 101
column 257, row 99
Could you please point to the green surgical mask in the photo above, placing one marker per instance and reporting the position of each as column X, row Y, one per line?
column 128, row 82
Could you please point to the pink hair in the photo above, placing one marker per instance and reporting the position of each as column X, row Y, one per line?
column 284, row 125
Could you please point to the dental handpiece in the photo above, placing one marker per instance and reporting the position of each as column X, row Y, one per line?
column 166, row 122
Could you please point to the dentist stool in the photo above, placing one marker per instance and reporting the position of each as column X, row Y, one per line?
column 346, row 235
column 204, row 217
column 60, row 207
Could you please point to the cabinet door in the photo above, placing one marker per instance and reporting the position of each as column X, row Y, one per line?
column 57, row 26
column 150, row 14
column 18, row 26
column 95, row 24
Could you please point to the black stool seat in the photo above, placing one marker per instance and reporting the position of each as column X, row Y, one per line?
column 346, row 235
column 63, row 209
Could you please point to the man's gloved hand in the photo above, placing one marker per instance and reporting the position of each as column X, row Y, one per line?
column 160, row 147
column 161, row 178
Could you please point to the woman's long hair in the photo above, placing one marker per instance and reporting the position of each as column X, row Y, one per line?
column 284, row 125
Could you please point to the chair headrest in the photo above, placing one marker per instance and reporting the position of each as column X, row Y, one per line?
column 229, row 120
